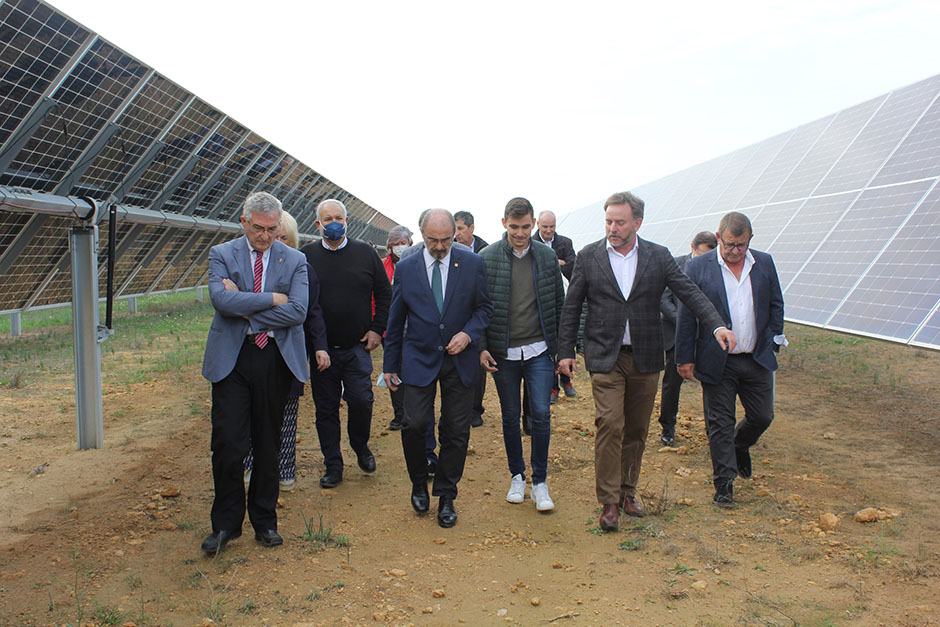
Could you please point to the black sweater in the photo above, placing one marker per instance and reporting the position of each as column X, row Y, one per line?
column 349, row 278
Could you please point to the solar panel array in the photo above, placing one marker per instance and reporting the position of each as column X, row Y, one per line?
column 82, row 118
column 848, row 205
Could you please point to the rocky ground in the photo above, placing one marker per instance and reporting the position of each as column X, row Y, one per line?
column 112, row 536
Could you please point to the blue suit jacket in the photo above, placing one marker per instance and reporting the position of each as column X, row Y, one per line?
column 418, row 334
column 287, row 274
column 695, row 344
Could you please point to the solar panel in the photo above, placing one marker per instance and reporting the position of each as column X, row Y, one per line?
column 848, row 205
column 81, row 118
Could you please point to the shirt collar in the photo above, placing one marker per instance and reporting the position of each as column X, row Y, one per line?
column 519, row 255
column 549, row 242
column 748, row 258
column 429, row 260
column 333, row 250
column 633, row 251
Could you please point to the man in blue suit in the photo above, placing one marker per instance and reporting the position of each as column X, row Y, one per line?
column 440, row 308
column 743, row 286
column 254, row 350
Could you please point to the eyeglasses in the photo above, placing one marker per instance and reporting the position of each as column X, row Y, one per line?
column 270, row 230
column 731, row 247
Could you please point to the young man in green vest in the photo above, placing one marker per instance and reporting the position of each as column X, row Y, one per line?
column 525, row 285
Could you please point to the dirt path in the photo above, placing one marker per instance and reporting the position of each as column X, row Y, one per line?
column 87, row 537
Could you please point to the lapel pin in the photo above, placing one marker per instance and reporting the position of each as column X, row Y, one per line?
column 456, row 264
column 280, row 260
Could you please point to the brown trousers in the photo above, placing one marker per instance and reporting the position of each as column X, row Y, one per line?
column 623, row 400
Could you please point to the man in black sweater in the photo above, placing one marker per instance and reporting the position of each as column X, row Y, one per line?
column 351, row 275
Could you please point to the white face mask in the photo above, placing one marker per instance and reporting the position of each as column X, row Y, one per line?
column 398, row 250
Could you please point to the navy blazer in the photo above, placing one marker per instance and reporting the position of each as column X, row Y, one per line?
column 418, row 333
column 695, row 344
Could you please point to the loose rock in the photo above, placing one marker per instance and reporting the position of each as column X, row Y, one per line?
column 829, row 522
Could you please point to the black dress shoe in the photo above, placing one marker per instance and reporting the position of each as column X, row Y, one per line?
column 420, row 500
column 366, row 459
column 668, row 438
column 395, row 424
column 331, row 479
column 476, row 420
column 446, row 514
column 269, row 538
column 432, row 469
column 744, row 462
column 217, row 540
column 724, row 493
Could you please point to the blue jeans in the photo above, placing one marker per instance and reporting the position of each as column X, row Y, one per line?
column 539, row 373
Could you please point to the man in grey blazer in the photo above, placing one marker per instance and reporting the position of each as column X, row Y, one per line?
column 622, row 279
column 255, row 348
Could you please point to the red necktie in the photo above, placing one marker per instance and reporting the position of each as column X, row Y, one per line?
column 261, row 339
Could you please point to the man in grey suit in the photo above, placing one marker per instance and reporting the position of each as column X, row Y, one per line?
column 622, row 278
column 255, row 348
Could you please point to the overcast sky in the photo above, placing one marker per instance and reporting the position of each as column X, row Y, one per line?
column 412, row 105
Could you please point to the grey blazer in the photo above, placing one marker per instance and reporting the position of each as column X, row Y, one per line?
column 287, row 274
column 593, row 281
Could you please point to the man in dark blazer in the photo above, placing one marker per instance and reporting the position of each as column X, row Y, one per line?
column 440, row 296
column 669, row 308
column 564, row 249
column 622, row 279
column 254, row 351
column 743, row 286
column 464, row 233
column 560, row 244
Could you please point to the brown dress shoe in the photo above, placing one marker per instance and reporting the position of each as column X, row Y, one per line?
column 610, row 517
column 631, row 506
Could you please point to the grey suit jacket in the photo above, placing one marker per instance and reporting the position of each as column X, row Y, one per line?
column 593, row 281
column 669, row 308
column 287, row 274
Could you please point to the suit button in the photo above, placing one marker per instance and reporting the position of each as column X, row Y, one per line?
column 440, row 348
column 442, row 327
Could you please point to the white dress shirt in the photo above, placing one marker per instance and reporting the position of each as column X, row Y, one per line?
column 521, row 353
column 340, row 247
column 624, row 267
column 741, row 304
column 429, row 265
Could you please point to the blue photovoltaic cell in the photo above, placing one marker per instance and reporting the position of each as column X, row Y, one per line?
column 918, row 156
column 903, row 285
column 786, row 160
column 829, row 147
column 929, row 335
column 842, row 258
column 879, row 137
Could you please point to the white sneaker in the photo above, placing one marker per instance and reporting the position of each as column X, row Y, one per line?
column 539, row 494
column 516, row 492
column 287, row 486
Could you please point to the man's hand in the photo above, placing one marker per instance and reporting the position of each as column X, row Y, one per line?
column 372, row 339
column 487, row 362
column 567, row 366
column 323, row 360
column 561, row 262
column 686, row 371
column 279, row 299
column 392, row 381
column 458, row 343
column 726, row 339
column 229, row 285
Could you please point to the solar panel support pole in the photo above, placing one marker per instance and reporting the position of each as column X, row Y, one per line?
column 16, row 324
column 88, row 334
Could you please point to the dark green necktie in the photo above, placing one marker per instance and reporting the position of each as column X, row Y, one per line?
column 437, row 286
